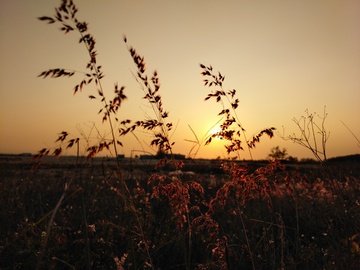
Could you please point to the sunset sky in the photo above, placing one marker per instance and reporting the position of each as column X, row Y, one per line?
column 281, row 56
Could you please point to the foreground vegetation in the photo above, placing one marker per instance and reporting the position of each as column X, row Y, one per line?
column 113, row 213
column 244, row 216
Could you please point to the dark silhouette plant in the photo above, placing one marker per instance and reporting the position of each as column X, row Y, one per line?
column 66, row 16
column 158, row 124
column 313, row 135
column 231, row 128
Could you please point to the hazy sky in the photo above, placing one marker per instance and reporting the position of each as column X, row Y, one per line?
column 281, row 56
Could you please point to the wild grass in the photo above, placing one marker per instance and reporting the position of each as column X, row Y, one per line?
column 251, row 217
column 108, row 213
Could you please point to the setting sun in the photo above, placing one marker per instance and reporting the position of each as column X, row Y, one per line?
column 214, row 131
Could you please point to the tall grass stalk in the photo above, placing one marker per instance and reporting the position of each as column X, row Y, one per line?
column 50, row 224
column 231, row 128
column 66, row 16
column 161, row 134
column 352, row 133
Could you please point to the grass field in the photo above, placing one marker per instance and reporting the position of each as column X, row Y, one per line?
column 212, row 214
column 94, row 212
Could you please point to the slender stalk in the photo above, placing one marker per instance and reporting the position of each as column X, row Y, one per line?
column 50, row 224
column 246, row 236
column 352, row 133
column 242, row 129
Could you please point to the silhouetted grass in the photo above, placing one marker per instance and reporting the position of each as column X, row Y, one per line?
column 112, row 213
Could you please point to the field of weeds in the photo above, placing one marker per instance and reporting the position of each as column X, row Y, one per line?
column 210, row 215
column 114, row 213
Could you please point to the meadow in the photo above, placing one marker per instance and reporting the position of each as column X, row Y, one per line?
column 212, row 214
column 92, row 212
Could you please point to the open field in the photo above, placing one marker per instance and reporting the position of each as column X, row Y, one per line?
column 248, row 215
column 61, row 212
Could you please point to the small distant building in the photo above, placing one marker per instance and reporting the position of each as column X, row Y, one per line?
column 147, row 157
column 168, row 156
